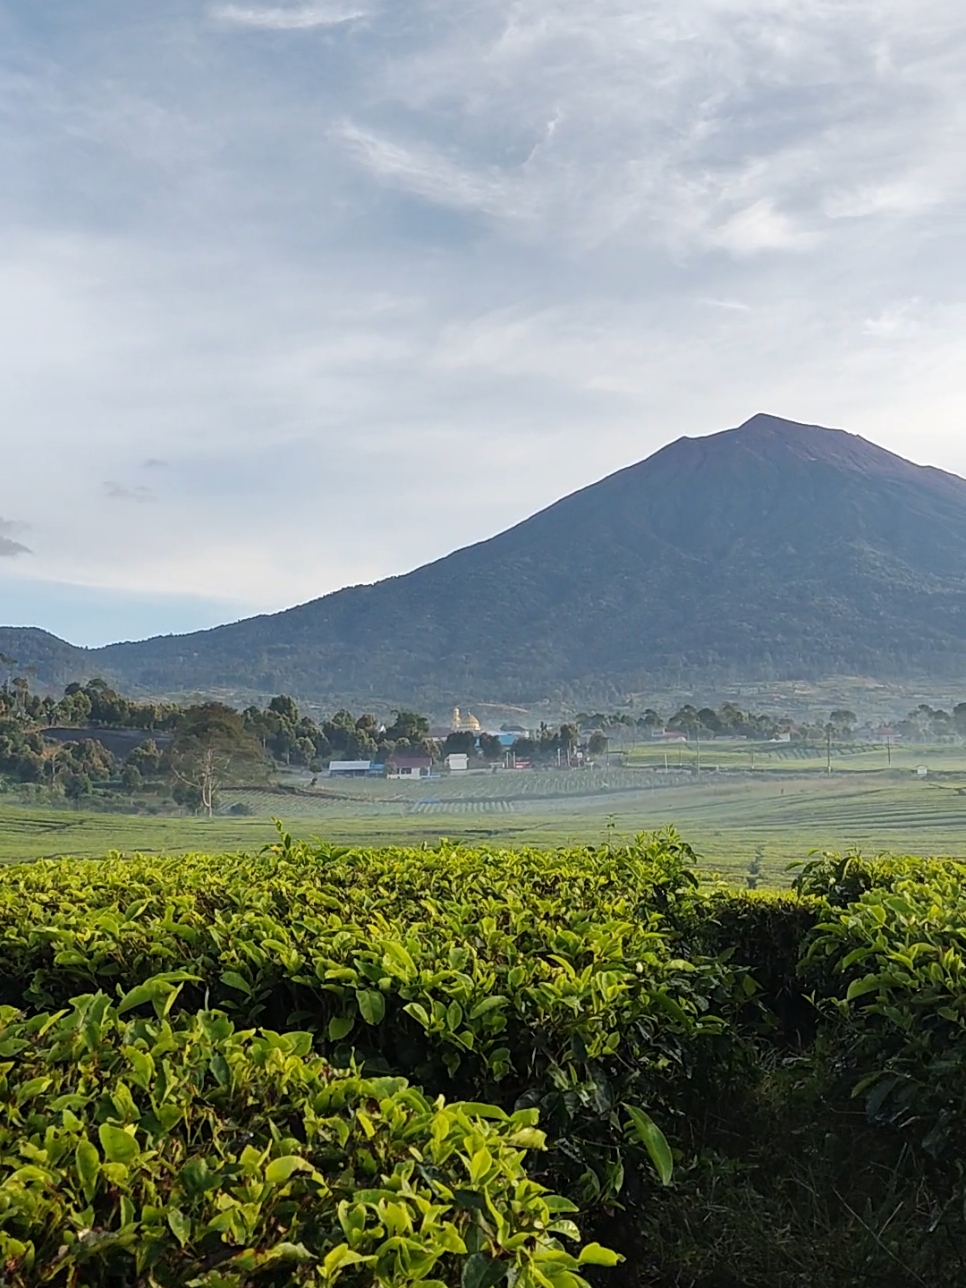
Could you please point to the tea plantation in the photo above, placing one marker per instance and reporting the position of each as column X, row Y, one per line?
column 476, row 1067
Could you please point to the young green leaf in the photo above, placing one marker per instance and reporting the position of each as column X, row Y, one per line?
column 283, row 1169
column 372, row 1006
column 653, row 1140
column 88, row 1164
column 180, row 1225
column 592, row 1254
column 340, row 1026
column 118, row 1145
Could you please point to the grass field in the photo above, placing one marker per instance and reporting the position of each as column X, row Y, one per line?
column 741, row 822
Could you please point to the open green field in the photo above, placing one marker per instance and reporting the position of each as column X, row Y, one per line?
column 740, row 822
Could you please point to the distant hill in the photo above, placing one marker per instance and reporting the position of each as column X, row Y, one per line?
column 54, row 662
column 771, row 550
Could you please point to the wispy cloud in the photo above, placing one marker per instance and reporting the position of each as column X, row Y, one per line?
column 8, row 547
column 430, row 173
column 735, row 306
column 120, row 492
column 299, row 18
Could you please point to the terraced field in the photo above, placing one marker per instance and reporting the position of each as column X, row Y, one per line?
column 465, row 807
column 748, row 826
column 44, row 833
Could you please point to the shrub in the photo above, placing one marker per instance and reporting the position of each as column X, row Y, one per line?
column 899, row 953
column 533, row 980
column 185, row 1152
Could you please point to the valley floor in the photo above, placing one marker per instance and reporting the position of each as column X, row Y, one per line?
column 747, row 824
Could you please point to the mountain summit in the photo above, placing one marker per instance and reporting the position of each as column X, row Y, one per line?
column 771, row 550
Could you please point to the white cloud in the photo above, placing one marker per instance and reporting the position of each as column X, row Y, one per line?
column 761, row 227
column 299, row 18
column 911, row 195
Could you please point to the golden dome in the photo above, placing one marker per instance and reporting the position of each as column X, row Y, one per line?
column 467, row 723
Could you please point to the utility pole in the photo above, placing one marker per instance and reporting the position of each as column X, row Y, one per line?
column 889, row 749
column 828, row 748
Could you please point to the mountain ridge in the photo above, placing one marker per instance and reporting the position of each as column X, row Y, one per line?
column 771, row 549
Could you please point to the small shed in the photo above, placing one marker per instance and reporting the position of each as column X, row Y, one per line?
column 457, row 762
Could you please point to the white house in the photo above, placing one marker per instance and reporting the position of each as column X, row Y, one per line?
column 409, row 766
column 457, row 762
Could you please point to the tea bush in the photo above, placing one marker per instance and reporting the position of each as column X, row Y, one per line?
column 899, row 953
column 802, row 1052
column 534, row 980
column 140, row 1149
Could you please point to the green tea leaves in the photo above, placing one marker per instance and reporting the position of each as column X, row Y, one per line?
column 482, row 1271
column 283, row 1169
column 88, row 1164
column 340, row 1026
column 119, row 1146
column 372, row 1006
column 653, row 1140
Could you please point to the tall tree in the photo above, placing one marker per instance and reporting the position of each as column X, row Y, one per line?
column 211, row 746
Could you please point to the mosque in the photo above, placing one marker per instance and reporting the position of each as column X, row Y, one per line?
column 465, row 722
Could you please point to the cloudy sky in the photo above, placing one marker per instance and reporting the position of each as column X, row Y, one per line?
column 306, row 293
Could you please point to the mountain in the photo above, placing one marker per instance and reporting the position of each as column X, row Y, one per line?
column 771, row 550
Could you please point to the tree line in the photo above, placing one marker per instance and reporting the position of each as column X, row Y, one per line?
column 192, row 750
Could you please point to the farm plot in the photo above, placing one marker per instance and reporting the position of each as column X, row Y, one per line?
column 463, row 807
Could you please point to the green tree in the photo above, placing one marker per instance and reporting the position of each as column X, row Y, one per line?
column 76, row 786
column 86, row 756
column 567, row 736
column 408, row 725
column 74, row 708
column 843, row 723
column 145, row 758
column 285, row 707
column 461, row 741
column 131, row 779
column 210, row 747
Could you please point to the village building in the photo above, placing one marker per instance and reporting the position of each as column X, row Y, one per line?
column 409, row 766
column 350, row 768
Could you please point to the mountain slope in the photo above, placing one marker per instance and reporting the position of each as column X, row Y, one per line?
column 770, row 549
column 36, row 653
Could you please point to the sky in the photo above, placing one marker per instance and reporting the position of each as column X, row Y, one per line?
column 302, row 294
